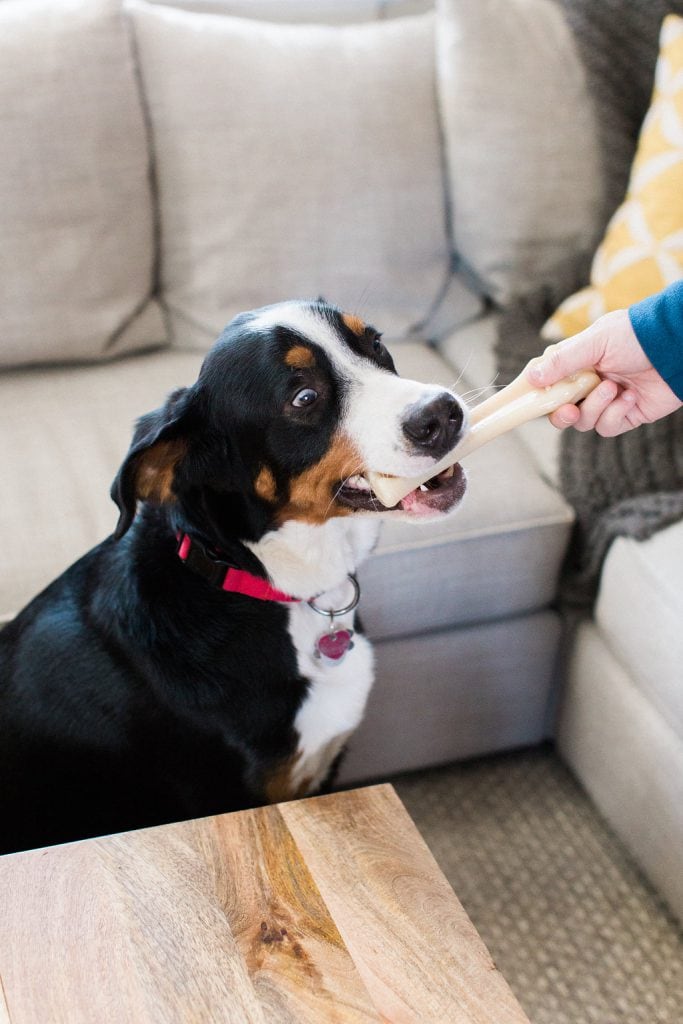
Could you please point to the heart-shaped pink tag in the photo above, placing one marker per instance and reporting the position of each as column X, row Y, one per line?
column 335, row 645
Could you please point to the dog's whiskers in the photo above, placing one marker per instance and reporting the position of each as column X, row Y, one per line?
column 475, row 393
column 346, row 476
column 463, row 371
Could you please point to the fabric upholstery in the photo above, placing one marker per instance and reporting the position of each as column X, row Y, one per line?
column 639, row 612
column 315, row 11
column 332, row 12
column 469, row 350
column 629, row 758
column 450, row 695
column 631, row 485
column 275, row 185
column 642, row 250
column 70, row 430
column 520, row 138
column 617, row 41
column 76, row 213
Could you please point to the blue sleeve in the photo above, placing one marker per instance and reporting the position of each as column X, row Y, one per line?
column 658, row 323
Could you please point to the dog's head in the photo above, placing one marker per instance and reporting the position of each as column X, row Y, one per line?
column 294, row 404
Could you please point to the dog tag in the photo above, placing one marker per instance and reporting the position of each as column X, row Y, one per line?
column 333, row 646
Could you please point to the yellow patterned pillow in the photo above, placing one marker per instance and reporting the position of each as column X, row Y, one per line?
column 642, row 250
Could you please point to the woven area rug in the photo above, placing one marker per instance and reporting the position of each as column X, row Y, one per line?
column 576, row 930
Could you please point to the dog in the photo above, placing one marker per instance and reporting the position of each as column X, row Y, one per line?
column 203, row 658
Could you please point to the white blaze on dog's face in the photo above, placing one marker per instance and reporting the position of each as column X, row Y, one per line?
column 390, row 424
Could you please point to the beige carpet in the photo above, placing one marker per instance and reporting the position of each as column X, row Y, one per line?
column 575, row 928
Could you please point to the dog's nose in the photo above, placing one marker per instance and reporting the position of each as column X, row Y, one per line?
column 434, row 427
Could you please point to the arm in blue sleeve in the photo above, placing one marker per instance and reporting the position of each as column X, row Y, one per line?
column 658, row 323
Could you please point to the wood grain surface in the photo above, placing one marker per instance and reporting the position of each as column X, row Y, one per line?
column 4, row 1012
column 330, row 909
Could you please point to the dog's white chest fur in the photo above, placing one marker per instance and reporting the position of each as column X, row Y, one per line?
column 304, row 559
column 335, row 702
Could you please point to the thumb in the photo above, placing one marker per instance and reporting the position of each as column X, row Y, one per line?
column 567, row 357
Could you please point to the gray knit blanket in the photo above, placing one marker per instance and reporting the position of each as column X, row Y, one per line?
column 631, row 485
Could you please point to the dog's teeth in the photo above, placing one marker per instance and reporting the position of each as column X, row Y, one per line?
column 358, row 482
column 423, row 487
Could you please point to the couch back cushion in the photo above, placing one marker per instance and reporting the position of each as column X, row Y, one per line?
column 642, row 251
column 292, row 161
column 330, row 12
column 618, row 42
column 76, row 214
column 521, row 141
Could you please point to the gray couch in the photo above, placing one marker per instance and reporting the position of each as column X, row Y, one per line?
column 171, row 166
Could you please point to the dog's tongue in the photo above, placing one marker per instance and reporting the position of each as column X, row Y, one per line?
column 442, row 495
column 417, row 503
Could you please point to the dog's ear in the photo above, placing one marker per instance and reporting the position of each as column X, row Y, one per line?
column 160, row 441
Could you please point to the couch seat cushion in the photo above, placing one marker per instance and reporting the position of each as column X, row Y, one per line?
column 67, row 431
column 640, row 611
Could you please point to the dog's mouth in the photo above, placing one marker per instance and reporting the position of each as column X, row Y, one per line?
column 436, row 496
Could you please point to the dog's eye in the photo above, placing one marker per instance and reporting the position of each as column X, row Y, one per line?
column 304, row 398
column 377, row 345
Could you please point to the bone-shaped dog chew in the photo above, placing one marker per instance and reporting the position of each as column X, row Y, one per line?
column 515, row 404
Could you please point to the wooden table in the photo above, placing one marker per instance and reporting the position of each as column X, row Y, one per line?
column 330, row 909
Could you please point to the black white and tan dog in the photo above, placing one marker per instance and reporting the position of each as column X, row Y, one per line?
column 189, row 665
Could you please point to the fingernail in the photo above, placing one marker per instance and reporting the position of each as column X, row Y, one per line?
column 536, row 374
column 629, row 396
column 606, row 390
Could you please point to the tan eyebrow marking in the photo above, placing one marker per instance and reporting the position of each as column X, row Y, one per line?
column 299, row 357
column 354, row 323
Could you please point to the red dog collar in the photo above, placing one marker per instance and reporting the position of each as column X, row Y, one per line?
column 224, row 576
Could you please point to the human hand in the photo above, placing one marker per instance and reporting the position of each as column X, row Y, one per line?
column 631, row 392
